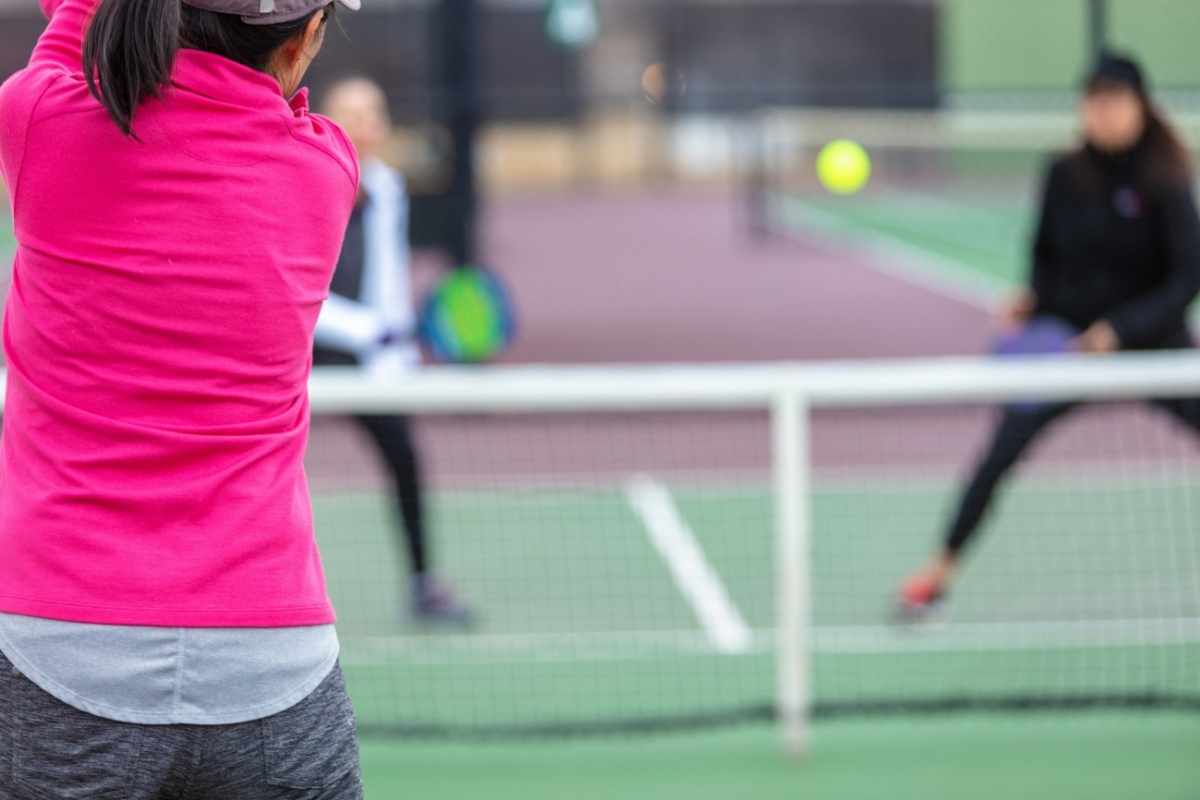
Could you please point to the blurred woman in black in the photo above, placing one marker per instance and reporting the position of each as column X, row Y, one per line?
column 1116, row 255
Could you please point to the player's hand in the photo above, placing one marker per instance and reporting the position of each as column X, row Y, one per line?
column 390, row 363
column 1016, row 310
column 1100, row 338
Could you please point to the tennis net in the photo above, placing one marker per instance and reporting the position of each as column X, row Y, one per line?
column 655, row 549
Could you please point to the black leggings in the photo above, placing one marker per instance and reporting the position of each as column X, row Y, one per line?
column 1016, row 432
column 392, row 436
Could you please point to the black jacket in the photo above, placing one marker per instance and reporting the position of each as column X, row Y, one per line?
column 1114, row 244
column 347, row 282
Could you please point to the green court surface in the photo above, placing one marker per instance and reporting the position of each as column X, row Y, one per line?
column 584, row 624
column 956, row 243
column 986, row 239
column 1093, row 756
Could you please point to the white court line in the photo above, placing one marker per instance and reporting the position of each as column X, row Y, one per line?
column 901, row 259
column 1005, row 636
column 541, row 648
column 981, row 637
column 695, row 577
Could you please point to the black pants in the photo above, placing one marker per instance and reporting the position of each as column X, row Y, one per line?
column 393, row 438
column 1017, row 430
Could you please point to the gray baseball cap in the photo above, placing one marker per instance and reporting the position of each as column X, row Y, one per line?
column 268, row 12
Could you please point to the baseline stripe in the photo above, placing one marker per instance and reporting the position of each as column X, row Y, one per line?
column 863, row 640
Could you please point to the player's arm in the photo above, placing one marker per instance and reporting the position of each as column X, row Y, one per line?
column 61, row 44
column 350, row 327
column 1044, row 258
column 1144, row 318
column 1024, row 303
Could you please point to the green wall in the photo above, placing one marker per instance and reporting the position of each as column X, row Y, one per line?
column 1007, row 44
column 1042, row 44
column 1165, row 33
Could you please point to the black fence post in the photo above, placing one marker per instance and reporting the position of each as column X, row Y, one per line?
column 1097, row 26
column 459, row 109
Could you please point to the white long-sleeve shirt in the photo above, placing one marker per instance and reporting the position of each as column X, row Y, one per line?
column 356, row 325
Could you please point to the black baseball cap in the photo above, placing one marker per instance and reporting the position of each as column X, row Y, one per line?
column 1116, row 70
column 268, row 12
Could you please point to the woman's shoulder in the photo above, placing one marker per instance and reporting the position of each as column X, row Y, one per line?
column 327, row 136
column 1059, row 164
column 1168, row 179
column 1060, row 171
column 20, row 97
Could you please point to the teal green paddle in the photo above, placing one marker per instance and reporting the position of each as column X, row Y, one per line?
column 468, row 317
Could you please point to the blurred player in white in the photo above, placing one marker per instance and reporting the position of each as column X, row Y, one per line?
column 369, row 320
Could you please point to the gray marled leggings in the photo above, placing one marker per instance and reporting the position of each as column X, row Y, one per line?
column 51, row 751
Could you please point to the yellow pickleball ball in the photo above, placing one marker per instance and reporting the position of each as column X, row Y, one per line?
column 844, row 166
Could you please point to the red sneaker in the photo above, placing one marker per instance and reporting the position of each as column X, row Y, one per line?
column 919, row 597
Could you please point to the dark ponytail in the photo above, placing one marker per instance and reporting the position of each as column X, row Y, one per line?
column 131, row 45
column 128, row 53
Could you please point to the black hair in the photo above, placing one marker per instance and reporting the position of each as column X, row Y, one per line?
column 1170, row 159
column 131, row 45
column 1116, row 69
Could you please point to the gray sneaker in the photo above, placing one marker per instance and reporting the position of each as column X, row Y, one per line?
column 435, row 603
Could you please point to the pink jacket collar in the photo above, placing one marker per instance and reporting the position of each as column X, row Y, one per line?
column 221, row 79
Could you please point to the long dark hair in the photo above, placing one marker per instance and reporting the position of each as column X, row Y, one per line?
column 131, row 46
column 1170, row 160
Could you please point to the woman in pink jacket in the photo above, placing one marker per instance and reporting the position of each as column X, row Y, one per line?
column 164, row 624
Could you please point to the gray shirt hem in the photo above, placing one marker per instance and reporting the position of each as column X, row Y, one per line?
column 225, row 716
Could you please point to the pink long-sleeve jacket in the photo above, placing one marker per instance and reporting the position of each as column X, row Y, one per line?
column 159, row 335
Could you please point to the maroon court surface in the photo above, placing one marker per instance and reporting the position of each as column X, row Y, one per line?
column 670, row 276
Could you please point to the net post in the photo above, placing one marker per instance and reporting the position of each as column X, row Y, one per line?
column 790, row 448
column 1097, row 26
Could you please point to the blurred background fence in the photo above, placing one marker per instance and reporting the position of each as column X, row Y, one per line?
column 654, row 94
